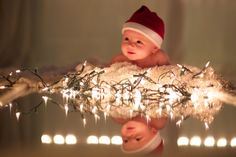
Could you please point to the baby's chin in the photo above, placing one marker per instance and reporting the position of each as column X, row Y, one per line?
column 133, row 58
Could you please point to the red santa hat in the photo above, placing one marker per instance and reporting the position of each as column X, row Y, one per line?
column 155, row 145
column 147, row 23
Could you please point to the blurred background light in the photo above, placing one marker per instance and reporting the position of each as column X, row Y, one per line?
column 104, row 140
column 183, row 141
column 116, row 140
column 71, row 139
column 222, row 142
column 92, row 139
column 209, row 141
column 46, row 139
column 195, row 141
column 233, row 142
column 58, row 139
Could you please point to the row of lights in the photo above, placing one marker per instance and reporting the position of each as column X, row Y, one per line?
column 209, row 141
column 196, row 141
column 71, row 139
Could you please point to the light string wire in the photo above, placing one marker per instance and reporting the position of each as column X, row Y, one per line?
column 87, row 91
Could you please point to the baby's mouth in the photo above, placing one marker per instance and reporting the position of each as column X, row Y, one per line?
column 130, row 52
column 130, row 128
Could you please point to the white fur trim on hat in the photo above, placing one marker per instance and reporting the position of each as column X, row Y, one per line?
column 150, row 146
column 147, row 32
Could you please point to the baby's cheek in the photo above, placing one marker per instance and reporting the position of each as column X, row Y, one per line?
column 124, row 51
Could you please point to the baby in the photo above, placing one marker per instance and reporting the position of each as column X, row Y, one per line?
column 142, row 36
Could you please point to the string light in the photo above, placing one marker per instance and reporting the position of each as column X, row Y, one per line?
column 18, row 71
column 173, row 91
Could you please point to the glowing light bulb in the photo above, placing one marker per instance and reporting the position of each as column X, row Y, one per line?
column 116, row 140
column 183, row 141
column 233, row 142
column 18, row 71
column 222, row 142
column 70, row 139
column 58, row 139
column 195, row 141
column 209, row 141
column 92, row 139
column 46, row 139
column 104, row 140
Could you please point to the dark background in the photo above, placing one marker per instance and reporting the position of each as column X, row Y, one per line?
column 42, row 33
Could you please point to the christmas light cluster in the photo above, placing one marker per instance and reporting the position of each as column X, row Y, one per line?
column 124, row 91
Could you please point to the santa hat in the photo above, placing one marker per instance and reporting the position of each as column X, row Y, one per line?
column 147, row 23
column 155, row 145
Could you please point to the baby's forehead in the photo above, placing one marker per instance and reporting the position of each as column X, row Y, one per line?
column 136, row 35
column 132, row 32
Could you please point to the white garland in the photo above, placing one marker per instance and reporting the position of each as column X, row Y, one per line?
column 124, row 91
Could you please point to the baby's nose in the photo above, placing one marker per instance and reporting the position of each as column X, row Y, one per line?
column 128, row 131
column 128, row 134
column 132, row 44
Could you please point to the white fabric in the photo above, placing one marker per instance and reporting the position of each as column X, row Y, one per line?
column 150, row 146
column 147, row 32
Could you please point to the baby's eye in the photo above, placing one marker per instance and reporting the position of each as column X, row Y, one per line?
column 126, row 38
column 139, row 42
column 138, row 139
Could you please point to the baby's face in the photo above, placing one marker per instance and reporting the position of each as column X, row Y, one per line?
column 136, row 134
column 136, row 46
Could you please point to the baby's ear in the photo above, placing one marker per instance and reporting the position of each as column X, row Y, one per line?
column 154, row 130
column 155, row 49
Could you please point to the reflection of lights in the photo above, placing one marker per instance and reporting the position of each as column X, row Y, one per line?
column 58, row 139
column 45, row 98
column 233, row 142
column 104, row 140
column 116, row 140
column 46, row 139
column 222, row 142
column 195, row 141
column 183, row 141
column 209, row 141
column 17, row 115
column 71, row 139
column 2, row 87
column 92, row 139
